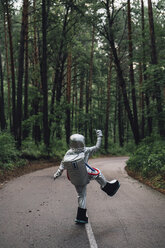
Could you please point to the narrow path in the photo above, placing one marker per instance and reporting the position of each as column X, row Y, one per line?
column 37, row 212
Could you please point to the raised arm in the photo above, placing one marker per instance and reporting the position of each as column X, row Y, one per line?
column 90, row 150
column 99, row 138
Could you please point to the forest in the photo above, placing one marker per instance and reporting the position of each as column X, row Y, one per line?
column 76, row 66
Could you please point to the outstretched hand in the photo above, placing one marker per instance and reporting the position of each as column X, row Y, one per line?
column 99, row 133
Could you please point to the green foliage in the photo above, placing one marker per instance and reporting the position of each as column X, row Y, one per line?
column 149, row 158
column 9, row 155
column 59, row 149
column 33, row 151
column 117, row 150
column 30, row 150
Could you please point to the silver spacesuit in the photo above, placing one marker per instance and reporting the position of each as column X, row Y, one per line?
column 80, row 173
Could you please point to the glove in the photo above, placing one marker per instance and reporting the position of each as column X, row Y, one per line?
column 55, row 176
column 99, row 133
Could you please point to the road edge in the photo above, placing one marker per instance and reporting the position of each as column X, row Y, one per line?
column 143, row 180
column 31, row 166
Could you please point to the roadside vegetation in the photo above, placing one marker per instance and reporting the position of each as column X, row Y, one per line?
column 9, row 155
column 147, row 163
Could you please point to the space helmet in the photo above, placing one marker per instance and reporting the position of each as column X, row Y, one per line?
column 77, row 141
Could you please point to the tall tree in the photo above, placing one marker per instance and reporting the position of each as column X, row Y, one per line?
column 147, row 99
column 91, row 82
column 8, row 69
column 7, row 10
column 36, row 129
column 46, row 131
column 109, row 34
column 154, row 61
column 74, row 90
column 106, row 134
column 25, row 131
column 81, row 102
column 2, row 105
column 141, row 101
column 120, row 117
column 131, row 70
column 59, row 73
column 68, row 97
column 21, row 70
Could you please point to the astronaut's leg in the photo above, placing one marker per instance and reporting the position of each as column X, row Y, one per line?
column 101, row 179
column 81, row 211
column 109, row 187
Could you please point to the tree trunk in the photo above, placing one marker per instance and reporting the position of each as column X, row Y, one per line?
column 35, row 48
column 88, row 125
column 75, row 97
column 21, row 71
column 25, row 131
column 154, row 61
column 46, row 131
column 124, row 91
column 36, row 130
column 81, row 104
column 120, row 118
column 115, row 115
column 12, row 71
column 58, row 78
column 152, row 34
column 141, row 101
column 2, row 105
column 121, row 79
column 90, row 84
column 36, row 133
column 74, row 92
column 132, row 79
column 8, row 71
column 147, row 100
column 87, row 109
column 106, row 135
column 68, row 98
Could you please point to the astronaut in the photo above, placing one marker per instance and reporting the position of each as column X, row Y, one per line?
column 80, row 173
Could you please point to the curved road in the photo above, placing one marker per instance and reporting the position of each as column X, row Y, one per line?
column 36, row 211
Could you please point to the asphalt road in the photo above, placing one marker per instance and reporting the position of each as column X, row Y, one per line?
column 36, row 211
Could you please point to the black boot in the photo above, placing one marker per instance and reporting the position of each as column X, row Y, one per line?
column 111, row 187
column 81, row 216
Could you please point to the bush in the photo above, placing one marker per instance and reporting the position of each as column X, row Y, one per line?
column 30, row 150
column 115, row 149
column 149, row 158
column 9, row 155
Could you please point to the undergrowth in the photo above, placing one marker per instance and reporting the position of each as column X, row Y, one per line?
column 9, row 155
column 149, row 160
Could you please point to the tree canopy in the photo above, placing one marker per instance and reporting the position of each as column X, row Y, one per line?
column 76, row 66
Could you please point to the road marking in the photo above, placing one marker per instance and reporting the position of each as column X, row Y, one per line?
column 91, row 237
